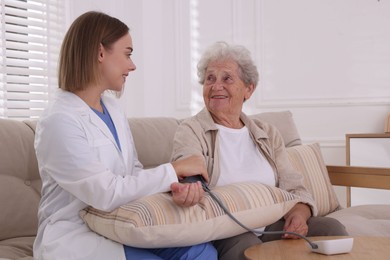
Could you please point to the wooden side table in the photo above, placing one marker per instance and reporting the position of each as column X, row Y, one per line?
column 371, row 248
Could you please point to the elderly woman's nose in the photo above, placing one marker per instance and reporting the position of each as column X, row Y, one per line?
column 218, row 85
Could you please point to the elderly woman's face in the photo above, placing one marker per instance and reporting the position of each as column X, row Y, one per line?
column 223, row 90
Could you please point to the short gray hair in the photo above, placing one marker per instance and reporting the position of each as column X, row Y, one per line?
column 237, row 53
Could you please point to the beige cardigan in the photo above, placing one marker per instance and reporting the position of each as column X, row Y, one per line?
column 199, row 135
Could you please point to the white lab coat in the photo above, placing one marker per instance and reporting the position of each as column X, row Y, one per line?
column 80, row 164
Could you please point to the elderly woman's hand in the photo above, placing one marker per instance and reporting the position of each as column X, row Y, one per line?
column 296, row 220
column 187, row 194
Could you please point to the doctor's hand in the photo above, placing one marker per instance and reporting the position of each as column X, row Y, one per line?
column 187, row 194
column 193, row 165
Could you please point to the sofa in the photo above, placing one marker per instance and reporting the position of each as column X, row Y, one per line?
column 20, row 182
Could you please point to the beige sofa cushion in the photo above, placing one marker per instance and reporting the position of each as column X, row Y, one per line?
column 284, row 122
column 17, row 248
column 20, row 186
column 365, row 220
column 308, row 160
column 156, row 221
column 153, row 139
column 19, row 180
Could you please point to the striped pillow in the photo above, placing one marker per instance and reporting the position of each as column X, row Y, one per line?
column 308, row 160
column 156, row 221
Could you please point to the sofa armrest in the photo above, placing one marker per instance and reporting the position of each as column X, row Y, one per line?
column 364, row 177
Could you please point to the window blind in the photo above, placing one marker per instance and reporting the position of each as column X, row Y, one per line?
column 31, row 32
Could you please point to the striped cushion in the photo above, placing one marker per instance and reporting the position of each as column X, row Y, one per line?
column 308, row 160
column 156, row 221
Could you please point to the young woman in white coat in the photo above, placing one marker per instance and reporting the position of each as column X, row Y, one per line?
column 86, row 154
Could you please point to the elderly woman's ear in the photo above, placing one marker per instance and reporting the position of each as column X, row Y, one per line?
column 250, row 89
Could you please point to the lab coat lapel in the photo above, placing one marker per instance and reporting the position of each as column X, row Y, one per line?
column 78, row 105
column 117, row 119
column 89, row 115
column 99, row 123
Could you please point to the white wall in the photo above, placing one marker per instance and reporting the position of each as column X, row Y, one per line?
column 326, row 61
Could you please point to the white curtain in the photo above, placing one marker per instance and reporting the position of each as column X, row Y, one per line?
column 31, row 32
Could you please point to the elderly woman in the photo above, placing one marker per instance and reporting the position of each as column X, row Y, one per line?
column 239, row 149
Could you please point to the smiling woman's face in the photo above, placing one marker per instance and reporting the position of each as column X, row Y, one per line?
column 223, row 90
column 116, row 63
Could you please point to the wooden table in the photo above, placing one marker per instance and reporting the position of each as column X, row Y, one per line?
column 365, row 248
